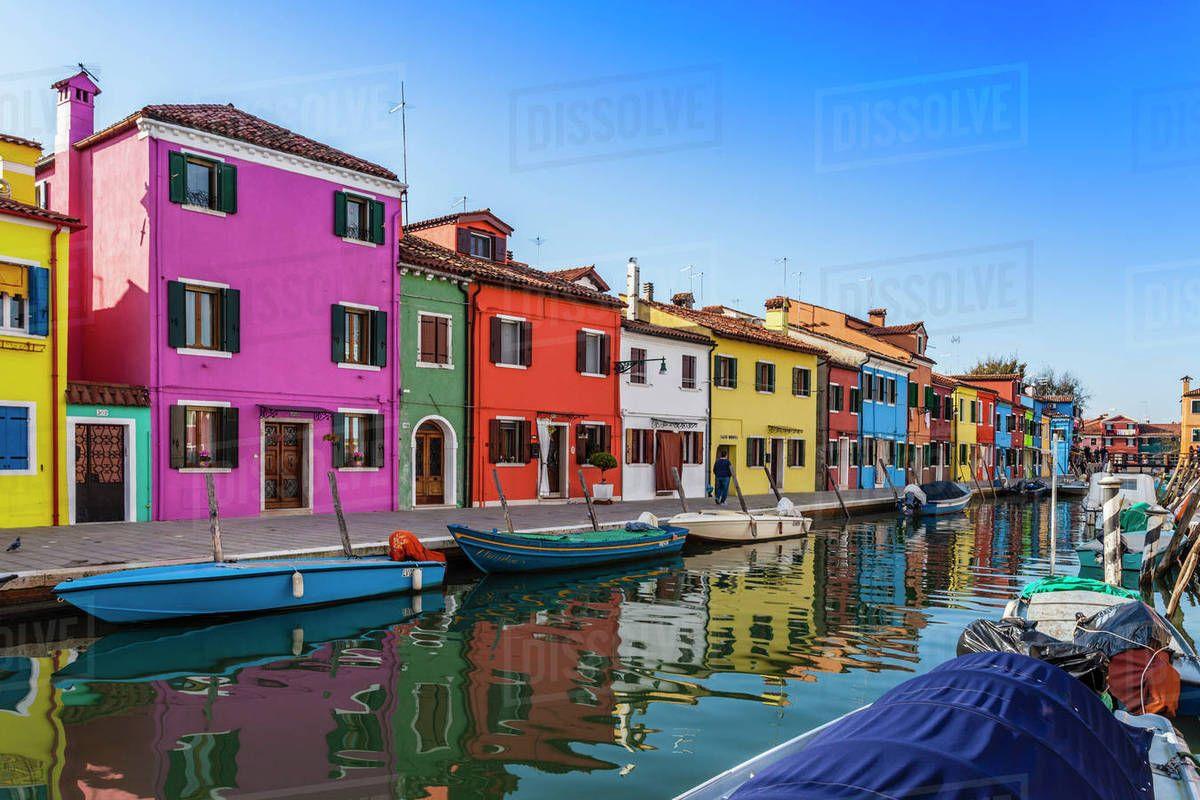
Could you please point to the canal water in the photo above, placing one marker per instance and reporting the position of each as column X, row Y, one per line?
column 633, row 682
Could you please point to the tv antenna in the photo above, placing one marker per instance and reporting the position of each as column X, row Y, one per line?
column 89, row 71
column 692, row 274
column 783, row 260
column 402, row 107
column 538, row 241
column 462, row 199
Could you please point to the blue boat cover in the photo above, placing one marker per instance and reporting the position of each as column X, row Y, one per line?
column 984, row 725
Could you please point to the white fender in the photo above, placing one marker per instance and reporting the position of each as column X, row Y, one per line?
column 297, row 641
column 416, row 604
column 297, row 584
column 416, row 579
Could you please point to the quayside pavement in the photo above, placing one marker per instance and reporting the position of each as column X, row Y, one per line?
column 51, row 554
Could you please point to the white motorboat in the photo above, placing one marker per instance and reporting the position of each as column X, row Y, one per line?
column 782, row 522
column 1135, row 488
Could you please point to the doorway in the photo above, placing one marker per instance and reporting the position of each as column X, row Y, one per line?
column 556, row 460
column 429, row 460
column 843, row 462
column 102, row 487
column 283, row 465
column 777, row 463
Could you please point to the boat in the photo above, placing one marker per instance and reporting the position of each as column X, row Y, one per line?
column 243, row 587
column 724, row 525
column 498, row 551
column 982, row 718
column 935, row 499
column 1072, row 487
column 1134, row 551
column 1135, row 488
column 1035, row 487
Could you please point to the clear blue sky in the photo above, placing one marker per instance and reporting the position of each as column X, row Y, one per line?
column 1020, row 175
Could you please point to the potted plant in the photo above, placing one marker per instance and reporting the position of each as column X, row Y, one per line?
column 204, row 458
column 602, row 492
column 357, row 458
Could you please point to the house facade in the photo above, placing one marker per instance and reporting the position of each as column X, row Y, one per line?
column 1004, row 450
column 966, row 425
column 883, row 422
column 245, row 275
column 913, row 339
column 985, row 435
column 941, row 426
column 1189, row 429
column 34, row 269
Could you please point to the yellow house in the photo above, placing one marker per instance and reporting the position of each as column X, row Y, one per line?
column 32, row 740
column 764, row 389
column 966, row 418
column 33, row 344
column 1189, row 430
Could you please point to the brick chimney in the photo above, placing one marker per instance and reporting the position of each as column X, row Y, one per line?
column 877, row 316
column 684, row 300
column 648, row 291
column 1187, row 383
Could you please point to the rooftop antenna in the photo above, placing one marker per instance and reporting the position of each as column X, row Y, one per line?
column 462, row 200
column 783, row 260
column 402, row 107
column 956, row 340
column 692, row 274
column 86, row 70
column 538, row 242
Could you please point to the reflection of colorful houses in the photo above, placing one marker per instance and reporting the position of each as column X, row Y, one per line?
column 31, row 737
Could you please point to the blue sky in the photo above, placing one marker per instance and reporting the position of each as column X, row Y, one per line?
column 1021, row 177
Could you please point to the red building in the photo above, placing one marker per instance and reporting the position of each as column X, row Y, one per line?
column 941, row 426
column 842, row 404
column 543, row 391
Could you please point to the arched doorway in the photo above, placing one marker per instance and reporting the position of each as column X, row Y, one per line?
column 434, row 463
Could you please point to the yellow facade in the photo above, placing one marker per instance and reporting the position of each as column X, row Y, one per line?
column 32, row 742
column 743, row 415
column 34, row 364
column 966, row 418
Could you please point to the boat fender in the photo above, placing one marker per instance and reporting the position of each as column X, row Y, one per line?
column 297, row 584
column 416, row 604
column 297, row 640
column 416, row 579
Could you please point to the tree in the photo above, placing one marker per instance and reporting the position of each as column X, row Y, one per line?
column 603, row 462
column 999, row 365
column 1048, row 382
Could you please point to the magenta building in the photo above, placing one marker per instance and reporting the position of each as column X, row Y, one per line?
column 246, row 275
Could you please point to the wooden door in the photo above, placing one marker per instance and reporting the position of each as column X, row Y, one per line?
column 429, row 465
column 778, row 456
column 554, row 462
column 283, row 465
column 99, row 473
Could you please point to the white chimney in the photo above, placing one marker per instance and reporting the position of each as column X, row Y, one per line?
column 632, row 282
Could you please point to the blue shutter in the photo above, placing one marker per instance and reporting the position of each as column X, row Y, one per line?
column 14, row 438
column 39, row 301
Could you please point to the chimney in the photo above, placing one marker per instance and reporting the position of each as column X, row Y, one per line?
column 684, row 300
column 76, row 110
column 1187, row 383
column 632, row 281
column 877, row 316
column 648, row 291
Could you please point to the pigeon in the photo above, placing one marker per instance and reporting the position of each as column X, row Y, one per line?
column 16, row 545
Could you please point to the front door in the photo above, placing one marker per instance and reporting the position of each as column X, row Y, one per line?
column 777, row 462
column 554, row 461
column 99, row 473
column 283, row 465
column 428, row 465
column 844, row 463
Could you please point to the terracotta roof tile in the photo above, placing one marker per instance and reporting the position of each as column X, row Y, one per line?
column 884, row 330
column 1192, row 393
column 1056, row 398
column 944, row 380
column 10, row 206
column 777, row 302
column 994, row 376
column 650, row 329
column 8, row 137
column 88, row 393
column 447, row 219
column 233, row 123
column 572, row 274
column 736, row 328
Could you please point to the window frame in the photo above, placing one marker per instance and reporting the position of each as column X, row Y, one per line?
column 191, row 452
column 693, row 446
column 518, row 324
column 475, row 237
column 801, row 382
column 637, row 367
column 360, row 231
column 31, row 459
column 448, row 363
column 890, row 387
column 214, row 179
column 727, row 378
column 756, row 444
column 801, row 453
column 509, row 431
column 687, row 381
column 855, row 399
column 593, row 340
column 364, row 315
column 639, row 446
column 191, row 322
column 594, row 433
column 764, row 376
column 6, row 301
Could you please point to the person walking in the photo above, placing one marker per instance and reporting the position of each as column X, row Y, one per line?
column 722, row 473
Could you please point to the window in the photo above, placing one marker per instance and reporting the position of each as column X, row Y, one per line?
column 202, row 317
column 508, row 441
column 764, row 377
column 835, row 453
column 932, row 454
column 795, row 453
column 855, row 399
column 591, row 438
column 480, row 245
column 914, row 393
column 693, row 447
column 358, row 327
column 360, row 440
column 204, row 437
column 868, row 450
column 801, row 381
column 42, row 194
column 948, row 408
column 592, row 353
column 639, row 446
column 199, row 182
column 637, row 371
column 1196, row 434
column 880, row 389
column 24, row 299
column 756, row 451
column 511, row 342
column 962, row 454
column 689, row 372
column 16, row 438
column 14, row 311
column 891, row 391
column 433, row 339
column 868, row 392
column 1196, row 406
column 725, row 372
column 835, row 397
column 855, row 453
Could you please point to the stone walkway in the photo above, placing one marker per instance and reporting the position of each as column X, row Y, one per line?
column 48, row 555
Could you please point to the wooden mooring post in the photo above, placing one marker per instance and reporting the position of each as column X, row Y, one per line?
column 737, row 487
column 679, row 488
column 837, row 491
column 503, row 499
column 343, row 531
column 214, row 518
column 887, row 476
column 587, row 496
column 771, row 481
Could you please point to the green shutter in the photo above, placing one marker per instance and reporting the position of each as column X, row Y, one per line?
column 339, row 213
column 231, row 320
column 376, row 441
column 337, row 427
column 177, row 432
column 379, row 338
column 913, row 391
column 732, row 373
column 377, row 222
column 177, row 167
column 227, row 451
column 931, row 399
column 176, row 337
column 227, row 179
column 337, row 333
column 39, row 301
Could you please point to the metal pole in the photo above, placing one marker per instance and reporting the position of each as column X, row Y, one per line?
column 503, row 499
column 214, row 519
column 1053, row 507
column 587, row 496
column 341, row 518
column 1110, row 487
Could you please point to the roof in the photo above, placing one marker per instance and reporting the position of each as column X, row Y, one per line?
column 1192, row 393
column 944, row 380
column 991, row 376
column 17, row 208
column 884, row 330
column 233, row 123
column 417, row 252
column 1056, row 398
column 650, row 329
column 89, row 393
column 8, row 137
column 736, row 328
column 572, row 274
column 450, row 219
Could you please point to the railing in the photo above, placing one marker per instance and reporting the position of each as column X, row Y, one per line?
column 198, row 198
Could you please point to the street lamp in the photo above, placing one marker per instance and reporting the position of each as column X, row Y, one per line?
column 624, row 366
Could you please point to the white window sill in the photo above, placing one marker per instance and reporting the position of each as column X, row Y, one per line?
column 762, row 391
column 510, row 366
column 726, row 388
column 430, row 365
column 18, row 472
column 362, row 367
column 593, row 375
column 510, row 464
column 212, row 212
column 204, row 470
column 21, row 334
column 642, row 385
column 359, row 469
column 198, row 351
column 689, row 389
column 363, row 242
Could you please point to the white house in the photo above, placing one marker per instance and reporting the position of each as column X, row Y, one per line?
column 664, row 404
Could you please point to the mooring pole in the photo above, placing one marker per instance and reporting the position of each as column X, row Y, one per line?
column 503, row 499
column 1053, row 508
column 838, row 492
column 1155, row 521
column 214, row 519
column 679, row 488
column 1110, row 486
column 737, row 487
column 587, row 496
column 771, row 481
column 343, row 531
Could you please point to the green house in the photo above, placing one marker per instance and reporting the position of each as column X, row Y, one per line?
column 108, row 452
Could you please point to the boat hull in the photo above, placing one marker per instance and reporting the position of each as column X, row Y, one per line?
column 1091, row 554
column 492, row 551
column 192, row 590
column 734, row 526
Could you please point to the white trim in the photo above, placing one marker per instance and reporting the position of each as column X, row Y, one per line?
column 307, row 477
column 510, row 366
column 203, row 470
column 363, row 306
column 130, row 425
column 590, row 422
column 601, row 375
column 373, row 411
column 205, row 403
column 564, row 478
column 193, row 351
column 165, row 131
column 358, row 469
column 363, row 367
column 449, row 341
column 30, row 438
column 595, row 331
column 510, row 318
column 17, row 167
column 19, row 262
column 198, row 282
column 363, row 242
column 212, row 212
column 205, row 156
column 358, row 193
column 449, row 461
column 510, row 419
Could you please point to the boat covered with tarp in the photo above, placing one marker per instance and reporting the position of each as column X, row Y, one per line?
column 500, row 551
column 983, row 725
column 1137, row 547
column 935, row 498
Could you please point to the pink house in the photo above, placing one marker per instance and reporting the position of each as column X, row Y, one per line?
column 246, row 275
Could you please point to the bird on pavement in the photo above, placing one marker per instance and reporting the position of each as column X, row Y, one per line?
column 16, row 545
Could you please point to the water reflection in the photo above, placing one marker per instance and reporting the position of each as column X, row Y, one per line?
column 638, row 681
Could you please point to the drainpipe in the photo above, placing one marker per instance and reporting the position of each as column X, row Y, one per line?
column 712, row 446
column 55, row 398
column 395, row 398
column 472, row 405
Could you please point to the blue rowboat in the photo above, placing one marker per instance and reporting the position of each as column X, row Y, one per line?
column 935, row 499
column 493, row 551
column 185, row 590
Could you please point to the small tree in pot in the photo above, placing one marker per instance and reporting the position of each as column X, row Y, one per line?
column 603, row 491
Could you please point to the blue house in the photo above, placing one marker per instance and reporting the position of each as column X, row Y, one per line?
column 1033, row 435
column 883, row 421
column 1004, row 441
column 1062, row 429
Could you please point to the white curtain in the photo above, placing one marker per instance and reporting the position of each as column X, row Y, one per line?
column 543, row 429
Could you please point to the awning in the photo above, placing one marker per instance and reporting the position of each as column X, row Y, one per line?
column 316, row 412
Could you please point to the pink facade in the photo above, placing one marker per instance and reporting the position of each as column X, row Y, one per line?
column 279, row 251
